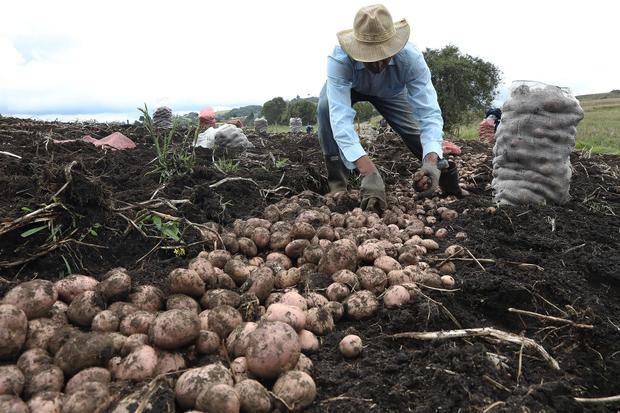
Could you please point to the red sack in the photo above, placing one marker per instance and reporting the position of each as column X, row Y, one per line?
column 450, row 149
column 207, row 116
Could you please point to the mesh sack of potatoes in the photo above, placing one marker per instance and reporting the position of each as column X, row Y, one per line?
column 531, row 163
column 230, row 136
column 162, row 117
column 295, row 125
column 260, row 125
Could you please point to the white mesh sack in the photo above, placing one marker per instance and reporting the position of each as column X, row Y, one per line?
column 295, row 125
column 531, row 163
column 226, row 136
column 260, row 125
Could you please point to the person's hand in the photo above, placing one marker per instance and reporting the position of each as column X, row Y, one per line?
column 430, row 169
column 373, row 193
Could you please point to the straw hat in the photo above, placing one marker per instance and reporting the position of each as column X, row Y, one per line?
column 374, row 35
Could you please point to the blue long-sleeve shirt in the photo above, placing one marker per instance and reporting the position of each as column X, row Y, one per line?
column 406, row 71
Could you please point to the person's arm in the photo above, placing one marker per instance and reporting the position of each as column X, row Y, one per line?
column 423, row 99
column 341, row 114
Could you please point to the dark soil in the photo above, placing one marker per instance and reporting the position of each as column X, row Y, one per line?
column 88, row 203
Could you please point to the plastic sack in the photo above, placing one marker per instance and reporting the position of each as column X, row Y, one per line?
column 260, row 125
column 207, row 116
column 226, row 136
column 295, row 125
column 531, row 163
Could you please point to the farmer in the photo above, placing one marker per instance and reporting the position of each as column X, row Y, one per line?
column 375, row 62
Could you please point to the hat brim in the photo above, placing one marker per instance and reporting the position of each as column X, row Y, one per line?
column 374, row 51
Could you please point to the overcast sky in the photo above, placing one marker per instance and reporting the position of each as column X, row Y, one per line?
column 82, row 57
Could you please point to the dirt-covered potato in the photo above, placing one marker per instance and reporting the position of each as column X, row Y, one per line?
column 58, row 312
column 122, row 309
column 185, row 281
column 314, row 299
column 313, row 254
column 85, row 307
column 396, row 296
column 253, row 396
column 295, row 299
column 116, row 285
column 447, row 268
column 454, row 251
column 182, row 302
column 46, row 377
column 319, row 320
column 147, row 298
column 273, row 348
column 337, row 291
column 217, row 258
column 204, row 269
column 369, row 251
column 13, row 330
column 296, row 389
column 40, row 330
column 11, row 380
column 105, row 321
column 13, row 404
column 387, row 264
column 98, row 374
column 223, row 319
column 304, row 364
column 336, row 309
column 193, row 381
column 218, row 398
column 346, row 277
column 260, row 282
column 174, row 329
column 208, row 342
column 429, row 244
column 218, row 296
column 248, row 247
column 139, row 365
column 73, row 285
column 237, row 270
column 303, row 230
column 132, row 342
column 289, row 314
column 35, row 298
column 361, row 304
column 308, row 341
column 237, row 341
column 279, row 240
column 287, row 278
column 350, row 346
column 137, row 323
column 32, row 359
column 447, row 281
column 168, row 361
column 427, row 278
column 341, row 255
column 92, row 397
column 372, row 279
column 224, row 281
column 84, row 350
column 46, row 402
column 449, row 215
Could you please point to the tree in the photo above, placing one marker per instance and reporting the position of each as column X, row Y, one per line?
column 464, row 84
column 274, row 110
column 364, row 111
column 304, row 109
column 249, row 120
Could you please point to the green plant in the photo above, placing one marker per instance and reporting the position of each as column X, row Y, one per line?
column 281, row 163
column 167, row 229
column 227, row 165
column 171, row 159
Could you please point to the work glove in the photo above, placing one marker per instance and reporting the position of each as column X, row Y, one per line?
column 431, row 170
column 373, row 193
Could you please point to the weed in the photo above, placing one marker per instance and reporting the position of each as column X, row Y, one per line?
column 281, row 163
column 227, row 165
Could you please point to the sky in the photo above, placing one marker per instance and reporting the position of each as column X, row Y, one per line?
column 83, row 59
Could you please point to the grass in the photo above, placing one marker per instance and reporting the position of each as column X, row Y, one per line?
column 598, row 132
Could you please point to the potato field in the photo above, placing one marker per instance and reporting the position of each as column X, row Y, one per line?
column 228, row 280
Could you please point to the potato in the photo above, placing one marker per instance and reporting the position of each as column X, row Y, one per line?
column 31, row 359
column 223, row 319
column 336, row 309
column 132, row 342
column 260, row 282
column 84, row 350
column 427, row 278
column 13, row 330
column 429, row 244
column 441, row 233
column 454, row 251
column 278, row 261
column 387, row 264
column 315, row 300
column 398, row 277
column 350, row 346
column 247, row 247
column 139, row 365
column 92, row 397
column 35, row 298
column 193, row 381
column 396, row 296
column 271, row 213
column 105, row 321
column 237, row 340
column 224, row 281
column 174, row 329
column 372, row 279
column 11, row 380
column 296, row 389
column 208, row 342
column 279, row 240
column 303, row 230
column 116, row 285
column 217, row 297
column 58, row 312
column 341, row 255
column 447, row 281
column 287, row 278
column 447, row 268
column 13, row 404
column 182, row 302
column 239, row 369
column 273, row 348
column 319, row 320
column 122, row 309
column 308, row 341
column 289, row 314
column 250, row 308
column 137, row 323
column 40, row 330
column 218, row 398
column 253, row 396
column 73, row 285
column 295, row 248
column 361, row 304
column 147, row 298
column 295, row 299
column 46, row 402
column 449, row 215
column 46, row 377
column 369, row 252
column 237, row 270
column 337, row 291
column 185, row 281
column 204, row 269
column 260, row 238
column 98, row 374
column 85, row 307
column 217, row 258
column 346, row 277
column 168, row 362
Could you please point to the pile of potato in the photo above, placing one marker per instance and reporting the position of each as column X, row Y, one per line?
column 259, row 300
column 533, row 145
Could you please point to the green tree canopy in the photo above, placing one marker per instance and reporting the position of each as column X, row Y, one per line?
column 274, row 110
column 464, row 84
column 304, row 109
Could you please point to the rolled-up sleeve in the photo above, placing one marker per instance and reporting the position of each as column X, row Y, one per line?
column 423, row 99
column 341, row 114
